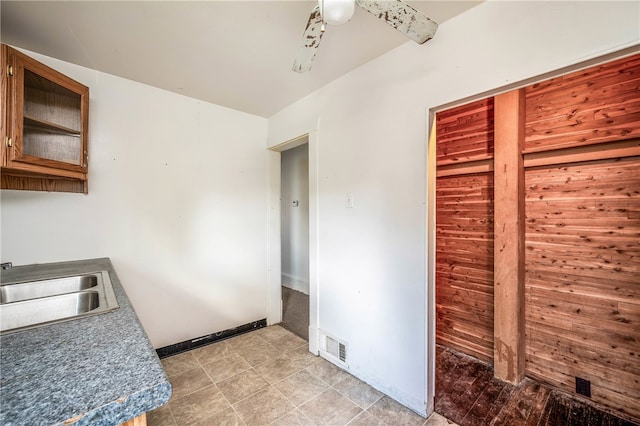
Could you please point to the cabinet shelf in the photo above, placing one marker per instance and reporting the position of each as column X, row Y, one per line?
column 47, row 126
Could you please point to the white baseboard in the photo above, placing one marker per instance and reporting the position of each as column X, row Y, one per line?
column 300, row 284
column 313, row 340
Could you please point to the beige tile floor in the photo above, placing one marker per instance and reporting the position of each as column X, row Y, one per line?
column 268, row 377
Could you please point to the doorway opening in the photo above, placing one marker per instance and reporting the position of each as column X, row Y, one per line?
column 294, row 239
column 275, row 296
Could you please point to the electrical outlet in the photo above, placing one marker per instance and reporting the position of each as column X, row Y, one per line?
column 583, row 387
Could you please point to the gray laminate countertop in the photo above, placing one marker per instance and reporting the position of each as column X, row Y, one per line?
column 97, row 370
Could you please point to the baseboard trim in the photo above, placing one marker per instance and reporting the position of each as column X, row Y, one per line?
column 188, row 345
column 295, row 283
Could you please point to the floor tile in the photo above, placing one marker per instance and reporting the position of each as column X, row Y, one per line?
column 161, row 417
column 242, row 385
column 278, row 369
column 330, row 408
column 213, row 352
column 264, row 407
column 392, row 413
column 289, row 342
column 325, row 394
column 436, row 419
column 293, row 418
column 179, row 363
column 358, row 391
column 272, row 333
column 301, row 357
column 189, row 381
column 226, row 367
column 244, row 340
column 301, row 387
column 198, row 405
column 366, row 419
column 258, row 353
column 227, row 417
column 326, row 371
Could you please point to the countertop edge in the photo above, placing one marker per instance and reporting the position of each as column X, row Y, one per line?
column 18, row 371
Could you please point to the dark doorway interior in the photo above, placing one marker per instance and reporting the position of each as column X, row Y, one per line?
column 295, row 312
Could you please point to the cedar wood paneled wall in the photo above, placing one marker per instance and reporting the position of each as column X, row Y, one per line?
column 582, row 206
column 464, row 230
column 582, row 285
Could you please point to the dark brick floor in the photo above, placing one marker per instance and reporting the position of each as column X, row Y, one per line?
column 468, row 394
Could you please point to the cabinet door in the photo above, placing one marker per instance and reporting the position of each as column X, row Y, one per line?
column 48, row 117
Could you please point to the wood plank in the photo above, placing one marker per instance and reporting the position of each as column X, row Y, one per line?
column 509, row 343
column 603, row 72
column 570, row 285
column 558, row 314
column 14, row 179
column 482, row 352
column 588, row 107
column 465, row 133
column 469, row 167
column 618, row 149
column 579, row 348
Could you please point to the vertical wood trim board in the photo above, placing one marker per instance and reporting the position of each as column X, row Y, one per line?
column 464, row 233
column 509, row 237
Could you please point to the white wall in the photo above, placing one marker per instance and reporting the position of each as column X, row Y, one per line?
column 176, row 199
column 295, row 219
column 371, row 142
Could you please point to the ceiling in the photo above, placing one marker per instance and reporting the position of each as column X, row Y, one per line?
column 237, row 54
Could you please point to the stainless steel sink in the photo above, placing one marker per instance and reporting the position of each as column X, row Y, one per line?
column 35, row 303
column 44, row 288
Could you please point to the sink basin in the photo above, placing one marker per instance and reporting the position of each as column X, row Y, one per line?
column 52, row 287
column 34, row 303
column 43, row 310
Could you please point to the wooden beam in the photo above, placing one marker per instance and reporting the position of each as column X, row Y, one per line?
column 604, row 151
column 509, row 330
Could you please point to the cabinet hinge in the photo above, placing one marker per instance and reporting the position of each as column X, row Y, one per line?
column 9, row 70
column 8, row 142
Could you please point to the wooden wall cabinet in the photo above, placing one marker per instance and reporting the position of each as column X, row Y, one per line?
column 45, row 117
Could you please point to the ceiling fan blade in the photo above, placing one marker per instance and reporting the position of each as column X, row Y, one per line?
column 403, row 17
column 310, row 42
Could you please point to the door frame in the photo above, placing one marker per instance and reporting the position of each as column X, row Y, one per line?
column 274, row 279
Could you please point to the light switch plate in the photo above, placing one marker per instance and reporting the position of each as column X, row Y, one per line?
column 349, row 200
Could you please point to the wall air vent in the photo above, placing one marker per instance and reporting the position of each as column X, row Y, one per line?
column 337, row 349
column 333, row 349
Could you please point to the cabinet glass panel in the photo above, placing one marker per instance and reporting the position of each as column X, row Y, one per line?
column 52, row 120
